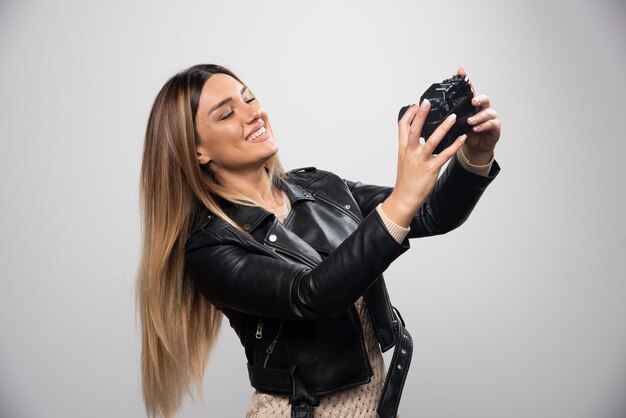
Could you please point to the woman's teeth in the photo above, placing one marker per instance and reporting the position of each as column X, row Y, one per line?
column 257, row 134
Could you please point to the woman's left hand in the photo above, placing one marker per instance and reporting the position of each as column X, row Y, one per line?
column 485, row 132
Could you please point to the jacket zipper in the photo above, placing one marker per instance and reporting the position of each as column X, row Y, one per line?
column 270, row 349
column 259, row 329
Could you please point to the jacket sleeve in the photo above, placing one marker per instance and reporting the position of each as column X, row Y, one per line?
column 233, row 274
column 452, row 200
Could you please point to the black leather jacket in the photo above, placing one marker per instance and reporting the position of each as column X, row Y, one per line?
column 289, row 289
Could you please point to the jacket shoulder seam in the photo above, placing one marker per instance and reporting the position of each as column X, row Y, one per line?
column 310, row 178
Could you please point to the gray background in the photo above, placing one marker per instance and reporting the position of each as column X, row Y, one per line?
column 519, row 313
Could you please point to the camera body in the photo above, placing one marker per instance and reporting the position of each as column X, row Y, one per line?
column 452, row 95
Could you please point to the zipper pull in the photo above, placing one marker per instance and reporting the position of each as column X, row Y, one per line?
column 259, row 330
column 269, row 351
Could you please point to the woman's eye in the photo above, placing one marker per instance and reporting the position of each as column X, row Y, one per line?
column 230, row 114
column 226, row 116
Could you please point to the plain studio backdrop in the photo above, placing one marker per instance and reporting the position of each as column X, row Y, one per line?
column 519, row 313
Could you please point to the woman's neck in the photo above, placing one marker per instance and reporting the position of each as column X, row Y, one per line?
column 254, row 184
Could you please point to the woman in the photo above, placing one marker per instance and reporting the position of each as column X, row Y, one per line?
column 294, row 260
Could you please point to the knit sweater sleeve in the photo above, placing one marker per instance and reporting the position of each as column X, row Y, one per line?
column 397, row 232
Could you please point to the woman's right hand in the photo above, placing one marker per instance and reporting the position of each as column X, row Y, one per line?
column 418, row 168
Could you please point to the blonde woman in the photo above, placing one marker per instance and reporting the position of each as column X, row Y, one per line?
column 294, row 259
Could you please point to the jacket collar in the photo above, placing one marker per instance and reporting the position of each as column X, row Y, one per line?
column 250, row 217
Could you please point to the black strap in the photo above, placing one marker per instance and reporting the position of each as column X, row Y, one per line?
column 398, row 370
column 302, row 402
column 302, row 410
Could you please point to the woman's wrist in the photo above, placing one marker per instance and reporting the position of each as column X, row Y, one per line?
column 399, row 211
column 396, row 231
column 479, row 158
column 481, row 170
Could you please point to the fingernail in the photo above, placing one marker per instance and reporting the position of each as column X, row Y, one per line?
column 424, row 104
column 477, row 100
column 463, row 138
column 476, row 128
column 451, row 119
column 471, row 120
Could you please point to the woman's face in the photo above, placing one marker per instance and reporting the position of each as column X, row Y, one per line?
column 233, row 128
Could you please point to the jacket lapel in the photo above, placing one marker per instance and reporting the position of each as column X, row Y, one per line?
column 265, row 228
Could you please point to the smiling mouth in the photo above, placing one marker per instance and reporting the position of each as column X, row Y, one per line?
column 259, row 132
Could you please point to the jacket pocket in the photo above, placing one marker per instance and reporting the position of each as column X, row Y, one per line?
column 270, row 349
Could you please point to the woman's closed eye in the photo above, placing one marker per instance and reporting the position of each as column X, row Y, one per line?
column 231, row 113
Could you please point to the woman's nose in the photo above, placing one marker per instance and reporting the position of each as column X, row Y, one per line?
column 255, row 116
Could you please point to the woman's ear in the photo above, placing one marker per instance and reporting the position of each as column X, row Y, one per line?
column 202, row 155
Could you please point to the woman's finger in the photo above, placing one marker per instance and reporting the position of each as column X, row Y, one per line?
column 447, row 153
column 439, row 134
column 482, row 116
column 461, row 72
column 404, row 124
column 481, row 102
column 415, row 131
column 490, row 125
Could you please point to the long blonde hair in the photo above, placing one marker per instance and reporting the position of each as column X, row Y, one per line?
column 179, row 326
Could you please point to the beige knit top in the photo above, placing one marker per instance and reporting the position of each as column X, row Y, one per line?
column 360, row 401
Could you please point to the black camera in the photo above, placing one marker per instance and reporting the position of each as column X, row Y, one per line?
column 452, row 95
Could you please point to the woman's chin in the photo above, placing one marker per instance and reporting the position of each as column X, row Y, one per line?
column 267, row 155
column 271, row 147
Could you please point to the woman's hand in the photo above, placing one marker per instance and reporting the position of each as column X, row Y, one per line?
column 418, row 168
column 482, row 139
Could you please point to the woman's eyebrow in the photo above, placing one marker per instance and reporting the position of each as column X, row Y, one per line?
column 226, row 100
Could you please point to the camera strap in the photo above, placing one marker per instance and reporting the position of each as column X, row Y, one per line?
column 397, row 372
